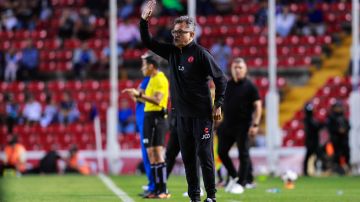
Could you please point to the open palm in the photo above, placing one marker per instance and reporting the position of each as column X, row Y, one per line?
column 148, row 9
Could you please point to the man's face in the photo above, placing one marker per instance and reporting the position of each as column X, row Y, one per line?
column 238, row 70
column 146, row 68
column 182, row 34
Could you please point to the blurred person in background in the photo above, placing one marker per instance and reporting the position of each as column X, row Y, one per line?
column 48, row 164
column 262, row 14
column 44, row 9
column 50, row 112
column 25, row 13
column 67, row 24
column 84, row 58
column 285, row 21
column 315, row 21
column 75, row 163
column 85, row 24
column 126, row 9
column 222, row 54
column 312, row 128
column 105, row 57
column 126, row 117
column 12, row 112
column 29, row 62
column 32, row 110
column 128, row 34
column 242, row 114
column 68, row 111
column 14, row 156
column 9, row 22
column 12, row 60
column 339, row 127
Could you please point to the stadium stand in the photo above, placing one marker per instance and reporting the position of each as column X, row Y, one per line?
column 56, row 56
column 336, row 89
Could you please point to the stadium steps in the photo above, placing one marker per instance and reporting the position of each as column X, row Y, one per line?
column 296, row 97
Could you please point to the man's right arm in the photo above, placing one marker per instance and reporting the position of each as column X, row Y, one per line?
column 161, row 49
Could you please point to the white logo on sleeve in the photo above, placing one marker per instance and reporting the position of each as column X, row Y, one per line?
column 181, row 68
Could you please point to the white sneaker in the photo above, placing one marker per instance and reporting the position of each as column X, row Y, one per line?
column 250, row 185
column 145, row 187
column 231, row 182
column 185, row 194
column 236, row 189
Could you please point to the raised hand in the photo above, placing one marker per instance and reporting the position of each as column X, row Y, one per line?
column 148, row 9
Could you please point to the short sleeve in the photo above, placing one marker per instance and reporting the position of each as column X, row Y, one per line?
column 255, row 96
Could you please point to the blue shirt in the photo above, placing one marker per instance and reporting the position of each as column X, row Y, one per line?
column 12, row 110
column 30, row 57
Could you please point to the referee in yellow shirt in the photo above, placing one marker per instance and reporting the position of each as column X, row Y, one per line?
column 156, row 101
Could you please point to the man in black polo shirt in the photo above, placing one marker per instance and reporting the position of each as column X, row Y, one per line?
column 190, row 68
column 242, row 113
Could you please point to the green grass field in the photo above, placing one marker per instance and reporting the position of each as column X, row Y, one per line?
column 90, row 188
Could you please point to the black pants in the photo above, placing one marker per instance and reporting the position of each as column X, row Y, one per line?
column 227, row 137
column 341, row 148
column 196, row 140
column 172, row 148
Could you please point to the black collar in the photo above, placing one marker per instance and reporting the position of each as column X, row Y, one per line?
column 241, row 81
column 191, row 44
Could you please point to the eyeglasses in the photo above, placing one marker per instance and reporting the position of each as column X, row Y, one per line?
column 179, row 32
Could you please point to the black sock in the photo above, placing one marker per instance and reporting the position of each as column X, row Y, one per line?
column 162, row 177
column 154, row 173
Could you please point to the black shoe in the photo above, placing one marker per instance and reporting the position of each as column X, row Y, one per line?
column 210, row 200
column 144, row 193
column 150, row 195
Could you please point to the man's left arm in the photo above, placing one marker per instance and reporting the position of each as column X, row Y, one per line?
column 254, row 128
column 220, row 82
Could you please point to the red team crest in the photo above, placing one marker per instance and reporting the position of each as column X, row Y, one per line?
column 190, row 59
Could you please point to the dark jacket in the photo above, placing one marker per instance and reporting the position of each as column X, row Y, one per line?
column 190, row 70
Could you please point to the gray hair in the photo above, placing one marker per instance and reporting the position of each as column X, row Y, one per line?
column 190, row 22
column 239, row 60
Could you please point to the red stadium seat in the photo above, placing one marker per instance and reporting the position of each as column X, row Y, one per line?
column 91, row 85
column 36, row 86
column 73, row 85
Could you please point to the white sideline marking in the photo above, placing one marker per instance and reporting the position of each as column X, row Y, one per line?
column 116, row 190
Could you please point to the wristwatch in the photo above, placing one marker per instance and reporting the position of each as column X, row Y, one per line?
column 140, row 95
column 255, row 125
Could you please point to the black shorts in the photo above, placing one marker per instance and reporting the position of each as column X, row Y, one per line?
column 154, row 129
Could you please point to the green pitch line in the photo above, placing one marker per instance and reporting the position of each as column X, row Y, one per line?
column 90, row 188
